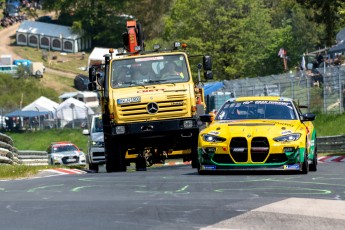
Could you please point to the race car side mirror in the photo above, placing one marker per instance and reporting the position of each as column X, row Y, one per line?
column 308, row 117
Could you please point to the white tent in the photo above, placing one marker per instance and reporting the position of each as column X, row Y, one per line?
column 51, row 37
column 42, row 104
column 72, row 109
column 97, row 56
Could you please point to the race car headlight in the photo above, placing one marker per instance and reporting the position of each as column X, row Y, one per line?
column 288, row 138
column 212, row 138
column 56, row 157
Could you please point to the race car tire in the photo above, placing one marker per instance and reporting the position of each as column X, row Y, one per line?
column 313, row 166
column 305, row 165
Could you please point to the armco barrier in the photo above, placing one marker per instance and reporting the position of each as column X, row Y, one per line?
column 331, row 144
column 8, row 154
column 33, row 157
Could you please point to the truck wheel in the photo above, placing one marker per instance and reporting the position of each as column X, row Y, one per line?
column 93, row 167
column 115, row 157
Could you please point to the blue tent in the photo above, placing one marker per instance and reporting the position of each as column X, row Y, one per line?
column 340, row 47
column 20, row 113
column 212, row 87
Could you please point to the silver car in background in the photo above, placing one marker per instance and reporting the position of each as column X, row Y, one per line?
column 95, row 155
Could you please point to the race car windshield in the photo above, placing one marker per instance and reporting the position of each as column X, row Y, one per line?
column 64, row 148
column 274, row 110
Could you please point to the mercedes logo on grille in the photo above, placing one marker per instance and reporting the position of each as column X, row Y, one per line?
column 152, row 108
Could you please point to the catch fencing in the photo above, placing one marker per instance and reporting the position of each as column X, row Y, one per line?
column 321, row 90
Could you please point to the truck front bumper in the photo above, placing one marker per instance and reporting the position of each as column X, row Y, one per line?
column 166, row 133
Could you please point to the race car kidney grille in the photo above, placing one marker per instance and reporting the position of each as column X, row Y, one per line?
column 259, row 149
column 239, row 149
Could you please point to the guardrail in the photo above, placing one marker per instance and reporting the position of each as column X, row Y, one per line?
column 10, row 155
column 331, row 144
column 33, row 157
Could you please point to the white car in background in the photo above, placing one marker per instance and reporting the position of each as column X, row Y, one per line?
column 65, row 153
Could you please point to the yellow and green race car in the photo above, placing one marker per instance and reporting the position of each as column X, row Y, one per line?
column 258, row 133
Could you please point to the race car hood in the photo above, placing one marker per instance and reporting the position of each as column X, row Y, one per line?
column 254, row 128
column 68, row 153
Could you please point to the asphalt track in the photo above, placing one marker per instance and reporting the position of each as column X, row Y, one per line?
column 175, row 197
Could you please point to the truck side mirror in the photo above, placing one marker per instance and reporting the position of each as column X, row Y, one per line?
column 207, row 62
column 92, row 86
column 100, row 79
column 208, row 75
column 92, row 74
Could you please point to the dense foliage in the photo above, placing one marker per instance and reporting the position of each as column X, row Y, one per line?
column 17, row 93
column 243, row 36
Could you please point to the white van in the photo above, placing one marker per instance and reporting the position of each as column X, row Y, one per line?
column 9, row 69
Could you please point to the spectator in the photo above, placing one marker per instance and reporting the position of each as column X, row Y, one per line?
column 319, row 59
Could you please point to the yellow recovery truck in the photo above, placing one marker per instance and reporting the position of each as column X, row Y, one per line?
column 150, row 103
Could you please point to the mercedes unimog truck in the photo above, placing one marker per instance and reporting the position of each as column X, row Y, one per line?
column 149, row 101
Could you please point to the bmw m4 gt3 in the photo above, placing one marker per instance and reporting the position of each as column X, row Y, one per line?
column 258, row 133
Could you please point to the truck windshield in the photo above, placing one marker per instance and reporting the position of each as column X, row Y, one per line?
column 160, row 69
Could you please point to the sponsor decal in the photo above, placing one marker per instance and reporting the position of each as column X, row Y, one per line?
column 177, row 103
column 238, row 149
column 149, row 59
column 209, row 167
column 214, row 133
column 282, row 123
column 286, row 132
column 150, row 90
column 295, row 166
column 128, row 100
